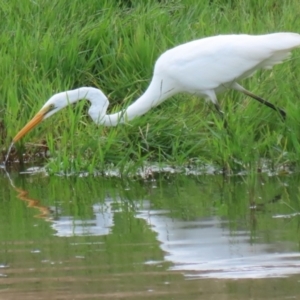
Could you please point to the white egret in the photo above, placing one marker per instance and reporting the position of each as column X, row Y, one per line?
column 203, row 67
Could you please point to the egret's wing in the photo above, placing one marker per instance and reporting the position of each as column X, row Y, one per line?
column 211, row 62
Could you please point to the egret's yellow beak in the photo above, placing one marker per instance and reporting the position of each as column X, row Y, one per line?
column 38, row 118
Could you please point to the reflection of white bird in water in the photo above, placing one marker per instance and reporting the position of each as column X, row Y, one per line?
column 203, row 67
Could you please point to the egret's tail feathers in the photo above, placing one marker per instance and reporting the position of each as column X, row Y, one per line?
column 277, row 58
column 280, row 45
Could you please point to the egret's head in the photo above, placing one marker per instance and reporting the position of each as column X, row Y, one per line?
column 98, row 100
column 53, row 105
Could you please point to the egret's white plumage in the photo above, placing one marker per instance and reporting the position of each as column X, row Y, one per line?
column 203, row 67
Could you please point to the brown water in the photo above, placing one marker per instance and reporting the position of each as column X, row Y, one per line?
column 173, row 237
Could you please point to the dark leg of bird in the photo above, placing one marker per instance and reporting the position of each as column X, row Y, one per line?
column 267, row 103
column 221, row 113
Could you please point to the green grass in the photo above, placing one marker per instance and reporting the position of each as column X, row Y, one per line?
column 52, row 46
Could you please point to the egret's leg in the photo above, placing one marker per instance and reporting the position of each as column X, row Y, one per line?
column 221, row 113
column 212, row 96
column 218, row 108
column 259, row 99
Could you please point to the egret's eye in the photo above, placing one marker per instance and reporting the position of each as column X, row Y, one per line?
column 51, row 107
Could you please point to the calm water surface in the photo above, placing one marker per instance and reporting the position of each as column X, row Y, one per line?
column 169, row 237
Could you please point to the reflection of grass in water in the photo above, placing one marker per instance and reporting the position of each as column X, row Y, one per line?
column 57, row 46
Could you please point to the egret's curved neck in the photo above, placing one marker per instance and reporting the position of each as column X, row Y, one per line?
column 158, row 91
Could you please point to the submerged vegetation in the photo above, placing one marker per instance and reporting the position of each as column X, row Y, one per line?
column 52, row 46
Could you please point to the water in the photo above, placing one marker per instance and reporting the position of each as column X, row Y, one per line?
column 175, row 237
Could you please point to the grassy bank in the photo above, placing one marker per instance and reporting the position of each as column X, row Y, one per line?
column 52, row 46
